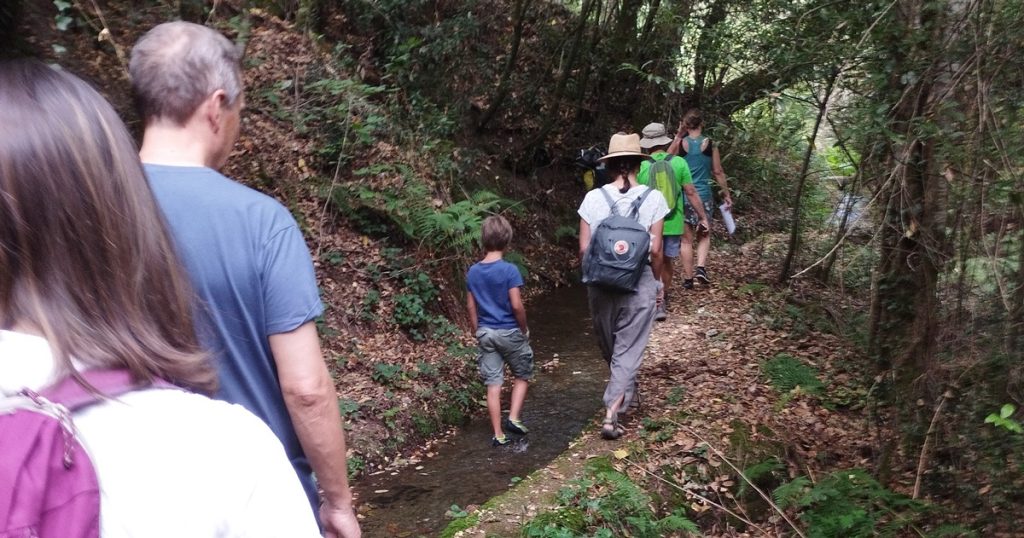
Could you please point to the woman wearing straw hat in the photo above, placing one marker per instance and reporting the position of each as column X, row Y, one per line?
column 622, row 321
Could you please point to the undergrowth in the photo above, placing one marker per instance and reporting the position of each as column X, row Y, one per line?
column 849, row 503
column 606, row 503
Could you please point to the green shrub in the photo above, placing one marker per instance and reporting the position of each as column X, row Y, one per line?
column 425, row 425
column 348, row 408
column 387, row 374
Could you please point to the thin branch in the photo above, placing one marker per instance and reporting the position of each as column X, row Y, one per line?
column 922, row 460
column 698, row 496
column 743, row 475
column 104, row 33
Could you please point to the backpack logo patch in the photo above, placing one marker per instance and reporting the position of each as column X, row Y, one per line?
column 618, row 249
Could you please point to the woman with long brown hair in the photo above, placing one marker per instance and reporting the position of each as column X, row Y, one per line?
column 622, row 320
column 89, row 281
column 704, row 161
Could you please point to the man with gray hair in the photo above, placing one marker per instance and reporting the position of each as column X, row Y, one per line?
column 245, row 255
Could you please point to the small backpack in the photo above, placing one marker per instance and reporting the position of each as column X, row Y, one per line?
column 48, row 485
column 661, row 176
column 618, row 250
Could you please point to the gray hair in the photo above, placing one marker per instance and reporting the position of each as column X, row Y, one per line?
column 176, row 65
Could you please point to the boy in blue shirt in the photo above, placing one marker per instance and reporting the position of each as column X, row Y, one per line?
column 498, row 318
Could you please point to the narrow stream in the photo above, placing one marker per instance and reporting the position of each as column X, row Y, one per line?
column 412, row 502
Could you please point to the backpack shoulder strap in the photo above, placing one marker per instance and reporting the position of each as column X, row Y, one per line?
column 611, row 203
column 110, row 383
column 634, row 213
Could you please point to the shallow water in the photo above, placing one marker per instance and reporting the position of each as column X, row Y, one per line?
column 466, row 469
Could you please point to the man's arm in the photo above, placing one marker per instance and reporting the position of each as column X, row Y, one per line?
column 719, row 173
column 516, row 298
column 312, row 403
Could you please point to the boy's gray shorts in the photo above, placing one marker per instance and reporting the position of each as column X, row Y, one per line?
column 500, row 346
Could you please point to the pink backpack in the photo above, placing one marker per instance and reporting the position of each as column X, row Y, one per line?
column 48, row 486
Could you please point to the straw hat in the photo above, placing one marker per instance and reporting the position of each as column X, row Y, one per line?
column 655, row 135
column 624, row 145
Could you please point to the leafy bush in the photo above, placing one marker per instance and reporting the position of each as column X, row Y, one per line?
column 386, row 374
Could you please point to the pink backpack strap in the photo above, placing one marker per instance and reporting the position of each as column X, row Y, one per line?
column 109, row 382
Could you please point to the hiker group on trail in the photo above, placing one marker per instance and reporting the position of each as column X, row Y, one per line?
column 629, row 234
column 143, row 294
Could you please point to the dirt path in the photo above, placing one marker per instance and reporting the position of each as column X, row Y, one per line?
column 702, row 384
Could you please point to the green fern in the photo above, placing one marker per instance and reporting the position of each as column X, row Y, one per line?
column 606, row 503
column 849, row 503
column 786, row 373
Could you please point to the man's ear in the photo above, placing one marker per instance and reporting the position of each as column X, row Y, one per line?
column 215, row 107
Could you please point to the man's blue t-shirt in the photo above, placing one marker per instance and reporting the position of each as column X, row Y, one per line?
column 249, row 264
column 489, row 283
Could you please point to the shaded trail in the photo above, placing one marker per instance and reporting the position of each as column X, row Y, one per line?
column 466, row 470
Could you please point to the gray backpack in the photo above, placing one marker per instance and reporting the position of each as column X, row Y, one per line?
column 619, row 249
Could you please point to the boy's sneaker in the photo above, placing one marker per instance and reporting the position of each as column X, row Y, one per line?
column 500, row 441
column 516, row 426
column 688, row 284
column 702, row 275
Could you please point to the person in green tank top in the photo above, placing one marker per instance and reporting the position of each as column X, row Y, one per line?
column 655, row 142
column 704, row 161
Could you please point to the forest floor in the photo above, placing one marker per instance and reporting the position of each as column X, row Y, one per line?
column 709, row 409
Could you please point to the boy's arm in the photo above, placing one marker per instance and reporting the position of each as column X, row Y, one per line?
column 518, row 310
column 471, row 308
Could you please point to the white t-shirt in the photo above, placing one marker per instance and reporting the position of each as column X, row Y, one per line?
column 172, row 463
column 595, row 207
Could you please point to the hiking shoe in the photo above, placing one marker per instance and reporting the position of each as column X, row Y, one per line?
column 500, row 441
column 660, row 314
column 688, row 283
column 516, row 426
column 702, row 275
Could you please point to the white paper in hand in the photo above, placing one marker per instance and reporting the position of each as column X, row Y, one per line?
column 730, row 223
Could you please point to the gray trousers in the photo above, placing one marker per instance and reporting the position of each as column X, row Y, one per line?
column 622, row 323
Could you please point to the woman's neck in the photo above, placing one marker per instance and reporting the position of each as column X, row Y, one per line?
column 693, row 133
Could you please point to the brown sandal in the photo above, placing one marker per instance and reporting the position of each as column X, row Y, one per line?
column 611, row 430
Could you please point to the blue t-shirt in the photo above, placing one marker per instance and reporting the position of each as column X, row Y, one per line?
column 249, row 264
column 489, row 283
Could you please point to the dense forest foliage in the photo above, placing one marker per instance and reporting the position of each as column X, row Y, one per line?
column 880, row 143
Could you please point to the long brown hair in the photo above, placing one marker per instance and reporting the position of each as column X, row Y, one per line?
column 85, row 257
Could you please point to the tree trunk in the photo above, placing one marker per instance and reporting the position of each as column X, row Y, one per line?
column 915, row 244
column 552, row 114
column 704, row 58
column 794, row 232
column 10, row 18
column 519, row 16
